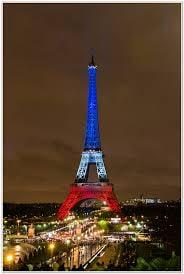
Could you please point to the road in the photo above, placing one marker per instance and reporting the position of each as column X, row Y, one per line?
column 108, row 255
column 81, row 254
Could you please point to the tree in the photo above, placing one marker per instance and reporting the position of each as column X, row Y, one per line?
column 141, row 265
column 158, row 264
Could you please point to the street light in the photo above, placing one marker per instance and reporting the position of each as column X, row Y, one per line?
column 18, row 225
column 78, row 252
column 9, row 259
column 51, row 247
column 68, row 242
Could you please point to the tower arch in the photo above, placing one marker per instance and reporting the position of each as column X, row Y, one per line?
column 80, row 192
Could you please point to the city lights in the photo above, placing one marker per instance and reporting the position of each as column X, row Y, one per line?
column 82, row 242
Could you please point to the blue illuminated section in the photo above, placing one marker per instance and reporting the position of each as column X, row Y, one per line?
column 92, row 133
column 92, row 153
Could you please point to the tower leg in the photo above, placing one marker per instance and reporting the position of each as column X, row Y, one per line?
column 83, row 166
column 102, row 175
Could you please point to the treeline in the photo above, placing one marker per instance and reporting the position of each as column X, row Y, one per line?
column 169, row 209
column 29, row 210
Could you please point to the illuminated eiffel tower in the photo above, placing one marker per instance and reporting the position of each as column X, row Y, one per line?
column 92, row 154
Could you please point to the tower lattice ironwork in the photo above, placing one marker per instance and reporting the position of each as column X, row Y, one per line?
column 91, row 155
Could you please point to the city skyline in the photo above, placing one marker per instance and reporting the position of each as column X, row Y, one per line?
column 46, row 53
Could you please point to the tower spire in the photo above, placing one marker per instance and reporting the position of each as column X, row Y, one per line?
column 92, row 62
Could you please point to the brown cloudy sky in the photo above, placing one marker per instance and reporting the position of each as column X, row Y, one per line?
column 46, row 52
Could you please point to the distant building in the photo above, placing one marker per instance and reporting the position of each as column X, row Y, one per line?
column 152, row 200
column 142, row 200
column 133, row 201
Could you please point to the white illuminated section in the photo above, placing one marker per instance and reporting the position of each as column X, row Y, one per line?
column 91, row 157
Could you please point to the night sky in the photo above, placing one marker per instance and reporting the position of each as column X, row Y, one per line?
column 46, row 52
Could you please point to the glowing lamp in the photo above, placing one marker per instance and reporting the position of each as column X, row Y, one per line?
column 67, row 241
column 51, row 246
column 9, row 258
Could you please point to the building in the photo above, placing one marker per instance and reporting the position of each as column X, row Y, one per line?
column 142, row 200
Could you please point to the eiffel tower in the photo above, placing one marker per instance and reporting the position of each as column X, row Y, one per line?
column 92, row 154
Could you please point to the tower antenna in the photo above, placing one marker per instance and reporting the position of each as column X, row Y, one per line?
column 92, row 54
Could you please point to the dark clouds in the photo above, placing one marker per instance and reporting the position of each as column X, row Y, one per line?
column 46, row 52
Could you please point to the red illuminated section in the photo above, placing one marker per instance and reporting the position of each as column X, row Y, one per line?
column 98, row 191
